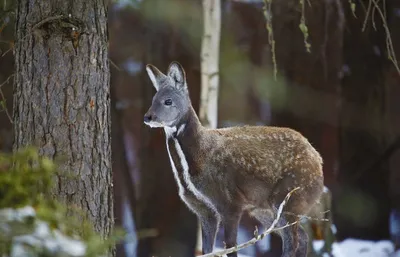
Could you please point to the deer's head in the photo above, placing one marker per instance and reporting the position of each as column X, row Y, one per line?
column 171, row 102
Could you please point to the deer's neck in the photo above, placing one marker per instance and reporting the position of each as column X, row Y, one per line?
column 183, row 145
column 188, row 130
column 183, row 142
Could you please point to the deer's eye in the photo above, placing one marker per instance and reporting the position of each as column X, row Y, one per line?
column 168, row 102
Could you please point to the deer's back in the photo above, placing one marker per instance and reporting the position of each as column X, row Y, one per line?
column 264, row 152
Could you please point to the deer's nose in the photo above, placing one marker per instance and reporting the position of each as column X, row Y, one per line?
column 147, row 118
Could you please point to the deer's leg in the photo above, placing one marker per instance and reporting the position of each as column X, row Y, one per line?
column 230, row 222
column 294, row 239
column 209, row 220
column 303, row 242
column 209, row 226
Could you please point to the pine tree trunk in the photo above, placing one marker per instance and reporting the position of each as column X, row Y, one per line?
column 61, row 97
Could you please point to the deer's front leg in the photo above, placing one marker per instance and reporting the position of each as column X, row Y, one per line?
column 209, row 226
column 209, row 220
column 231, row 223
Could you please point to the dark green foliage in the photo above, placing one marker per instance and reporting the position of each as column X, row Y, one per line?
column 26, row 179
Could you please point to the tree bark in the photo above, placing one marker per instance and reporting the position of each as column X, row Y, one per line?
column 210, row 62
column 209, row 74
column 61, row 98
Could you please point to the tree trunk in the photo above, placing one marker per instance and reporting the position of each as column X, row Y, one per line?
column 61, row 98
column 209, row 73
column 210, row 62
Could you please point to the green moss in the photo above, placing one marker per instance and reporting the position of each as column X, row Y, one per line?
column 353, row 8
column 303, row 27
column 26, row 179
column 267, row 8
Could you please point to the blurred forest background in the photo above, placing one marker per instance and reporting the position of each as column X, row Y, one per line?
column 344, row 96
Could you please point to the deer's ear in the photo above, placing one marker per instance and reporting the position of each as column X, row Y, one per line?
column 155, row 75
column 177, row 73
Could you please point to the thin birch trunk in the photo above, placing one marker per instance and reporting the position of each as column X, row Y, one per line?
column 210, row 62
column 209, row 73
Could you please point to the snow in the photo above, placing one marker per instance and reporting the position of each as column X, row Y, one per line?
column 41, row 239
column 52, row 242
column 20, row 214
column 359, row 248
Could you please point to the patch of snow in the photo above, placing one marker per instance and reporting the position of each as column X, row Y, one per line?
column 358, row 248
column 70, row 246
column 42, row 229
column 8, row 214
column 41, row 239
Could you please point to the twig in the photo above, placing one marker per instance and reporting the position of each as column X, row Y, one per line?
column 6, row 52
column 366, row 16
column 308, row 217
column 257, row 238
column 7, row 80
column 5, row 107
column 115, row 65
column 389, row 43
column 2, row 104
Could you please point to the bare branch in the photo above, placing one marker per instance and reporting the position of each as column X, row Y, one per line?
column 374, row 4
column 3, row 105
column 7, row 80
column 114, row 64
column 257, row 237
column 6, row 52
column 2, row 102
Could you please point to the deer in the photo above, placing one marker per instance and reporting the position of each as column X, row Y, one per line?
column 222, row 173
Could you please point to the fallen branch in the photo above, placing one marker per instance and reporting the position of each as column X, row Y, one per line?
column 257, row 237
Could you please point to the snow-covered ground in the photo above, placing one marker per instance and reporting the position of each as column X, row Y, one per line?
column 355, row 248
column 359, row 248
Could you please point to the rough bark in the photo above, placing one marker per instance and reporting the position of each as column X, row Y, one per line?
column 61, row 98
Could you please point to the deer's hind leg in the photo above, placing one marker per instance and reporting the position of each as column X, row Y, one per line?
column 294, row 238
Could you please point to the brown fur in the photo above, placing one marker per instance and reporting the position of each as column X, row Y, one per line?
column 232, row 170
